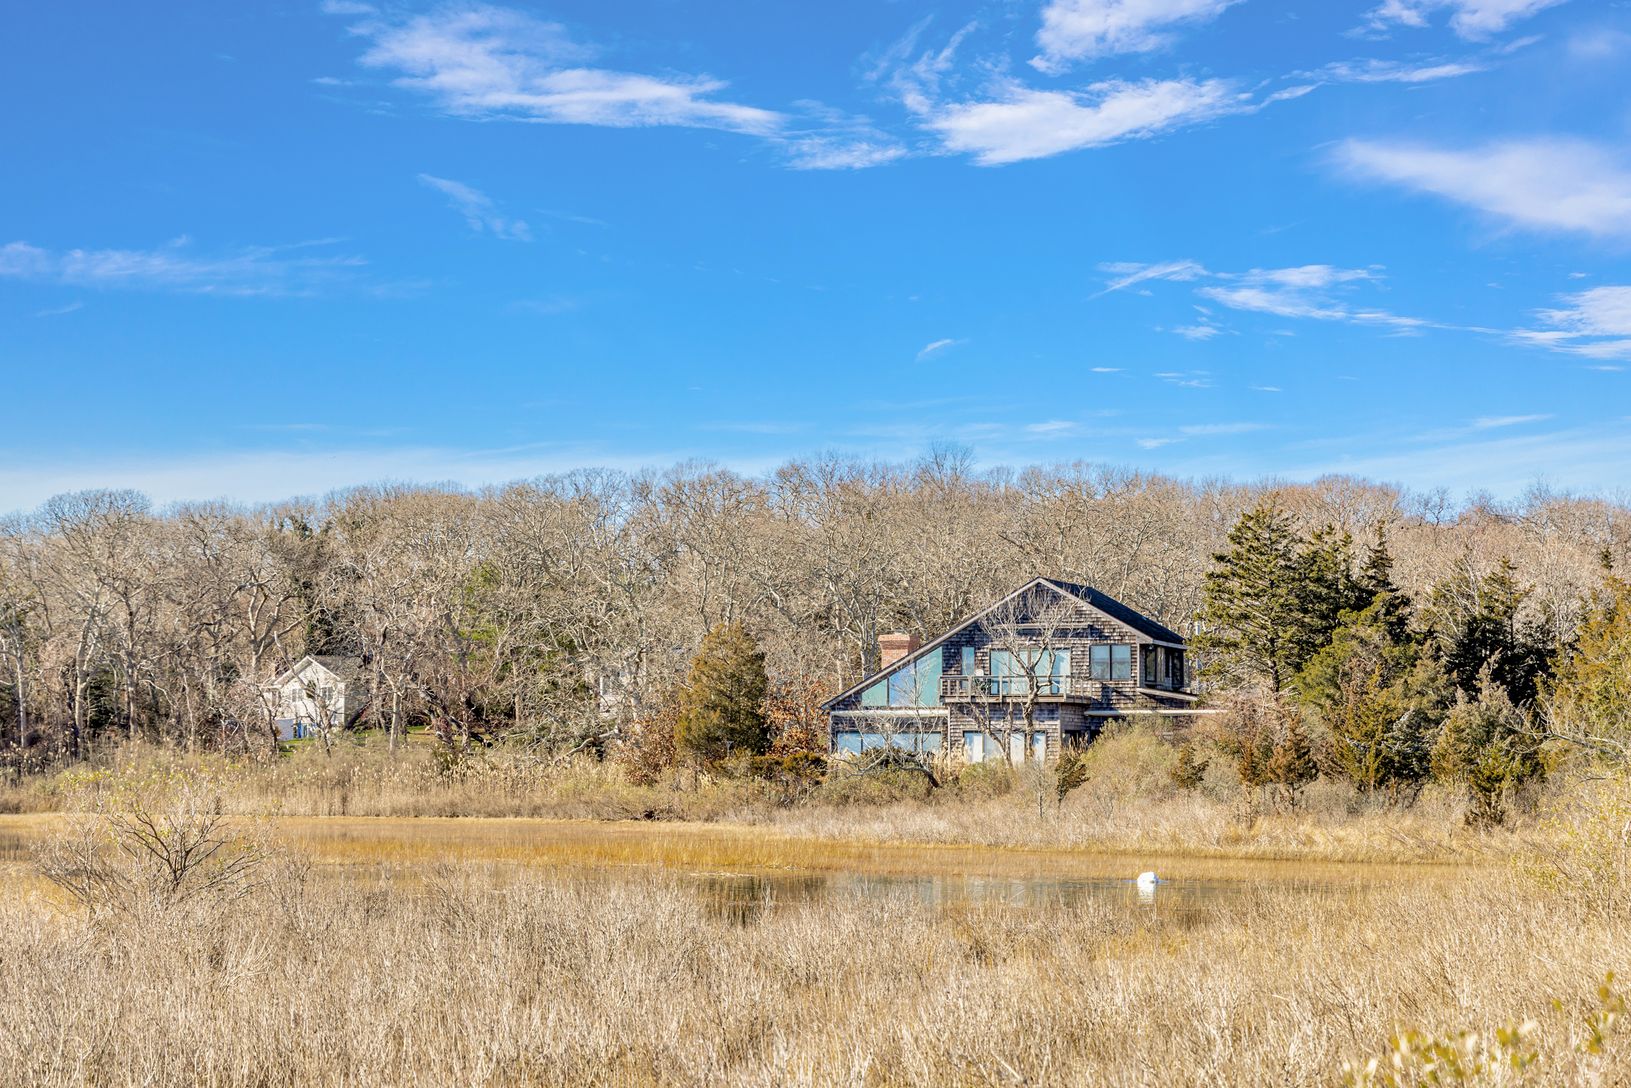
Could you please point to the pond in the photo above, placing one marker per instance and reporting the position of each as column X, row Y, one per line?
column 746, row 871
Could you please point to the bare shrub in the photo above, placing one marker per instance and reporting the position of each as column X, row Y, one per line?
column 138, row 855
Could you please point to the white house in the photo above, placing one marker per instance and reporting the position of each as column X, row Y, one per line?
column 322, row 692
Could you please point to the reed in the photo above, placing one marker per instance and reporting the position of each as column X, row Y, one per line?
column 479, row 973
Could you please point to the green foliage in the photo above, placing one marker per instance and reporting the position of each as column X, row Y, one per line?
column 1488, row 747
column 1071, row 774
column 1377, row 699
column 722, row 705
column 1477, row 623
column 1272, row 599
column 1591, row 699
column 1188, row 772
column 1250, row 603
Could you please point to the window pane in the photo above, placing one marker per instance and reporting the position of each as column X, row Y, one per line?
column 847, row 743
column 968, row 661
column 1121, row 662
column 928, row 681
column 902, row 687
column 974, row 746
column 876, row 695
column 1099, row 662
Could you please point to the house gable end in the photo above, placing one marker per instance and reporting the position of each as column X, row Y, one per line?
column 1112, row 613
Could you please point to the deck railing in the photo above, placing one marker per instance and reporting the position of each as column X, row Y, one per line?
column 979, row 686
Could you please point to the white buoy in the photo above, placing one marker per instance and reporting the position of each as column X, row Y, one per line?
column 1148, row 880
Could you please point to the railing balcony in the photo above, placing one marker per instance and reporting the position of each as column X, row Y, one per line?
column 958, row 689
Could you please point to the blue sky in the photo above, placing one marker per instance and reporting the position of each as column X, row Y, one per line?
column 253, row 251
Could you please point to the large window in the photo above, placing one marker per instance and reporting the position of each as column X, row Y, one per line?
column 852, row 742
column 914, row 685
column 1010, row 671
column 1110, row 662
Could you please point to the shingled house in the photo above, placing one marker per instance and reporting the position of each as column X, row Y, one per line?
column 1046, row 665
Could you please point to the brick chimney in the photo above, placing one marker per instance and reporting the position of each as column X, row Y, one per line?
column 892, row 647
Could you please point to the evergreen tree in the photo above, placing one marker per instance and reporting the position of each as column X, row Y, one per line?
column 1324, row 591
column 1291, row 763
column 1590, row 702
column 1378, row 589
column 1247, row 629
column 1487, row 748
column 722, row 705
column 1273, row 598
column 1188, row 772
column 1476, row 624
column 1377, row 699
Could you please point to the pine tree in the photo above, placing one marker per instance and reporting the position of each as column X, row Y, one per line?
column 1476, row 624
column 1188, row 772
column 1377, row 700
column 1591, row 700
column 722, row 705
column 1487, row 748
column 1247, row 629
column 1291, row 763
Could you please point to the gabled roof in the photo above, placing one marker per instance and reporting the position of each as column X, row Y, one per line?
column 342, row 668
column 1105, row 603
column 1116, row 610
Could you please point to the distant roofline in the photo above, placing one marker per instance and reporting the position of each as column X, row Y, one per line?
column 1144, row 627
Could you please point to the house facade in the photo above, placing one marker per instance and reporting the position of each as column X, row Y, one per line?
column 1044, row 666
column 318, row 692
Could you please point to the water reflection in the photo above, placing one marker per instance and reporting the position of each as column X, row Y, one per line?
column 745, row 898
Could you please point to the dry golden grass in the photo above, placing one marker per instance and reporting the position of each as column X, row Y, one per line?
column 479, row 973
column 1128, row 808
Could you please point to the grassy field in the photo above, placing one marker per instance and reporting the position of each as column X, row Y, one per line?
column 732, row 938
column 507, row 952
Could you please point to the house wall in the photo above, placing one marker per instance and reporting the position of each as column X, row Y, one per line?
column 1080, row 717
column 295, row 702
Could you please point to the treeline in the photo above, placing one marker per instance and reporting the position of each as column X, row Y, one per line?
column 558, row 611
column 1330, row 666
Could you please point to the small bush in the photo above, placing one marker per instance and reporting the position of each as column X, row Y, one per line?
column 140, row 856
column 984, row 781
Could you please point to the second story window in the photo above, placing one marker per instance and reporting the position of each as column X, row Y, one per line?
column 1110, row 662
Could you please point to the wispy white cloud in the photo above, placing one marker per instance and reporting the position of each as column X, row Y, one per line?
column 478, row 209
column 829, row 139
column 1187, row 379
column 936, row 347
column 1052, row 428
column 58, row 311
column 1375, row 70
column 1302, row 291
column 300, row 269
column 270, row 475
column 1131, row 274
column 1077, row 29
column 1595, row 323
column 1021, row 122
column 1475, row 19
column 1544, row 184
column 1197, row 332
column 1490, row 423
column 485, row 61
column 1106, row 369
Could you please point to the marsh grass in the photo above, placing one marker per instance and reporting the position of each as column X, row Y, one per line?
column 478, row 973
column 1128, row 804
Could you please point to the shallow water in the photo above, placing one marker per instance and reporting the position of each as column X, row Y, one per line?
column 745, row 872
